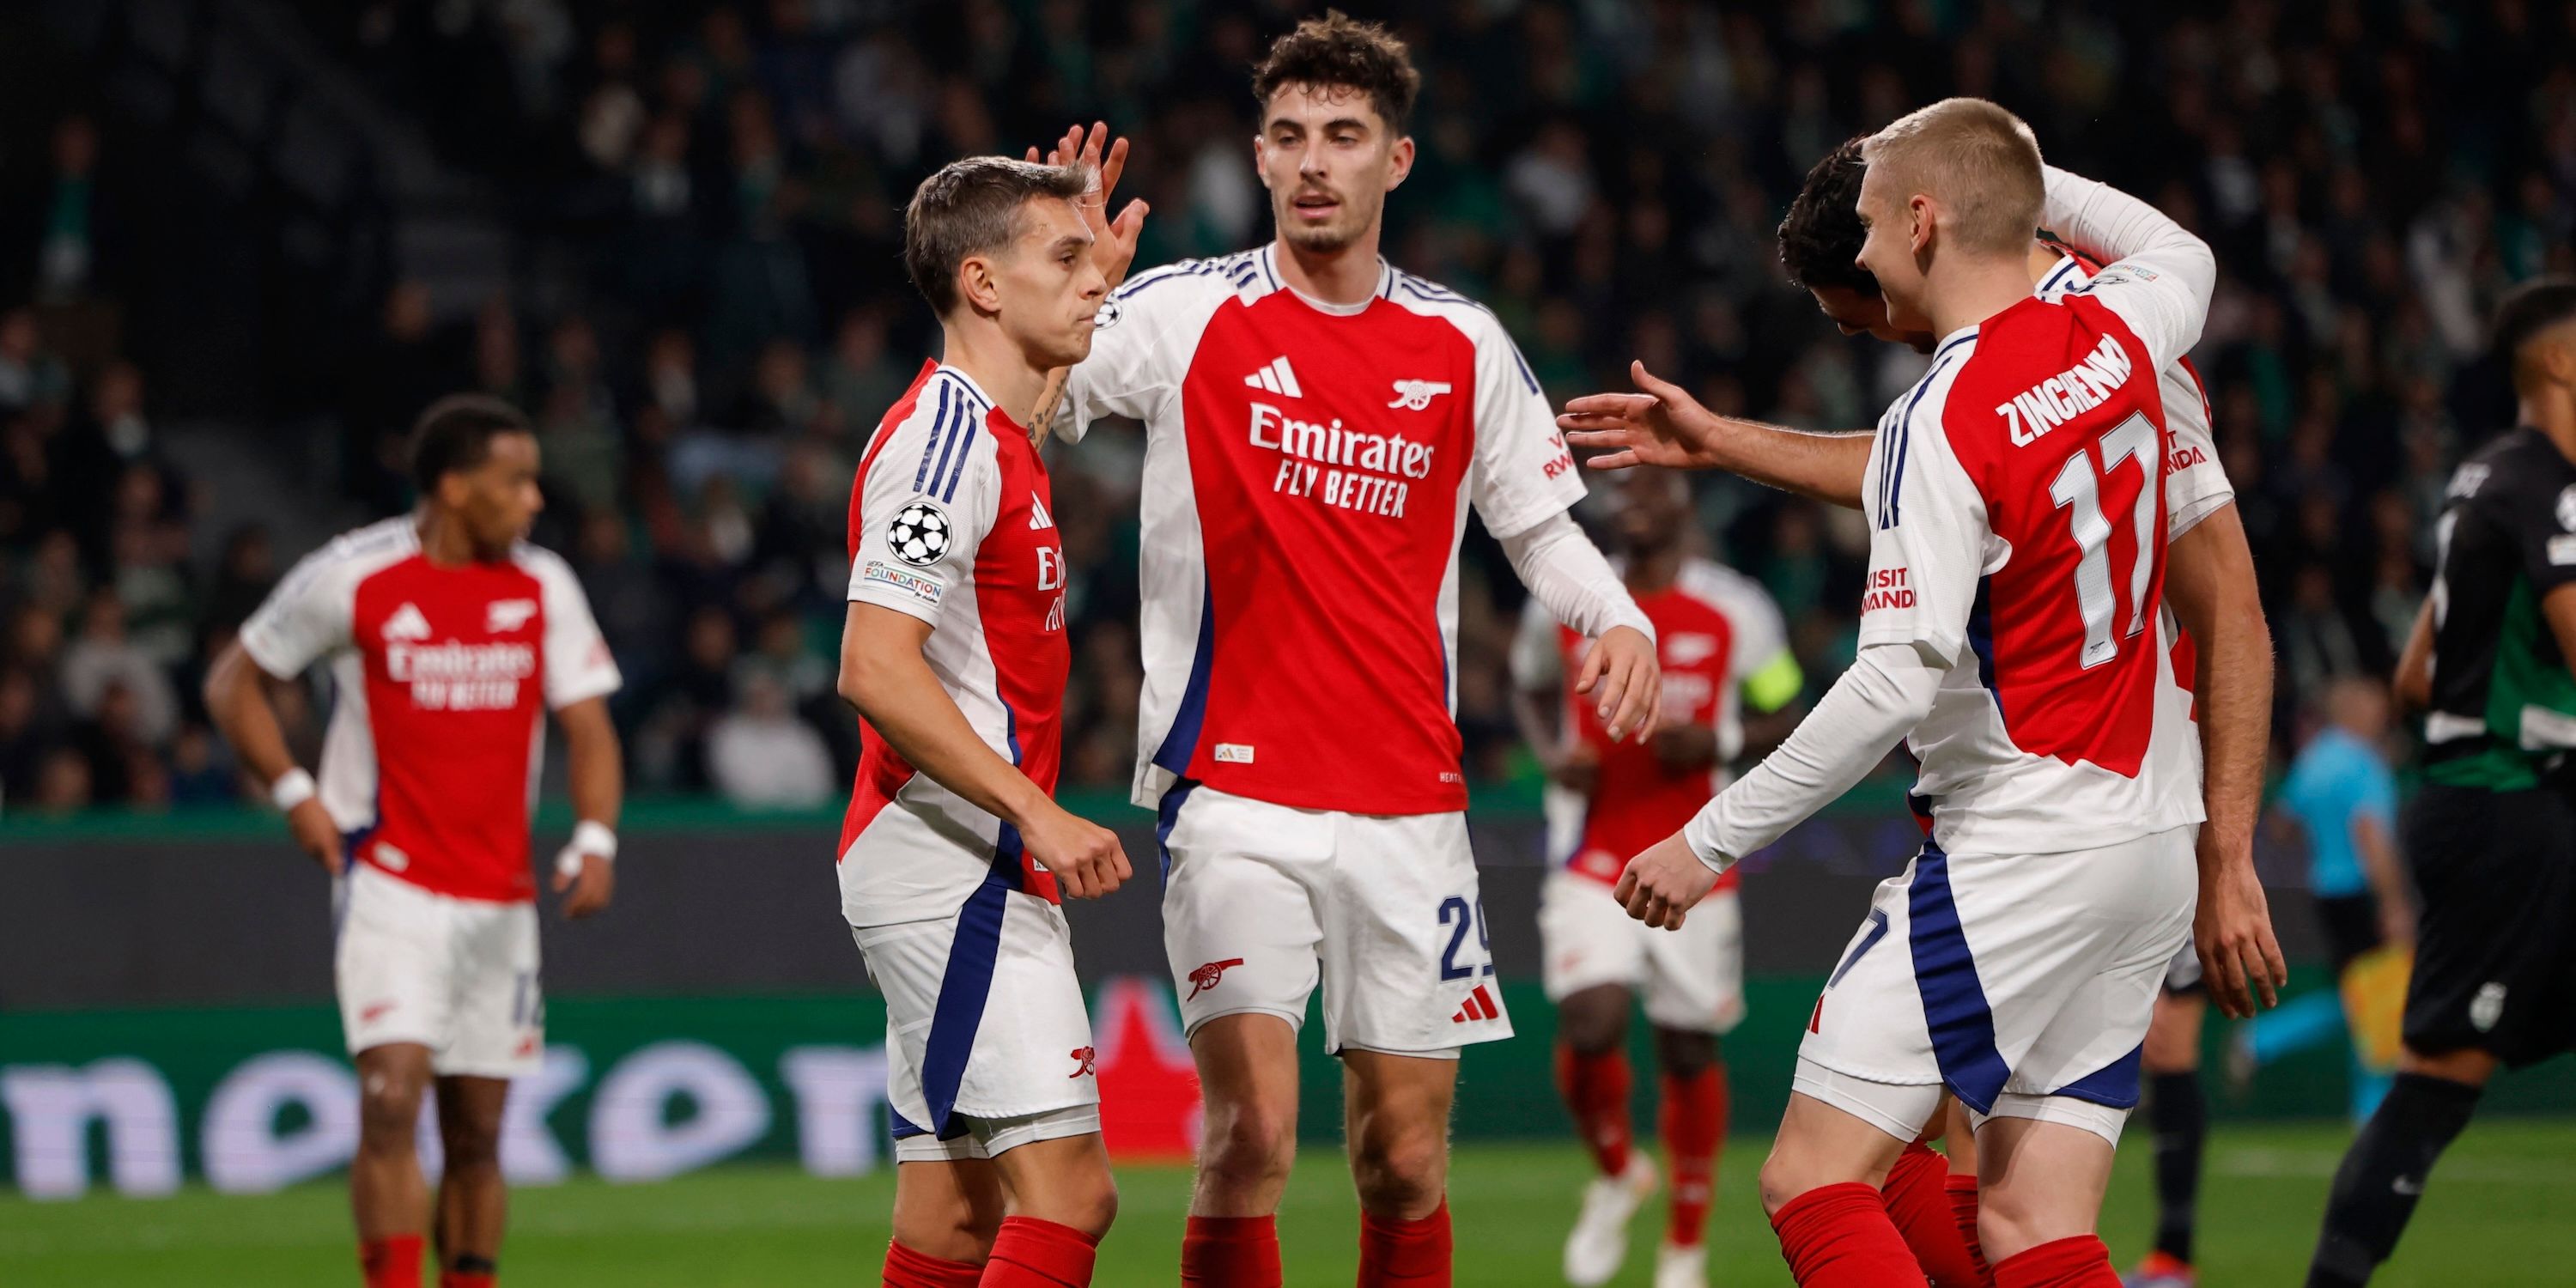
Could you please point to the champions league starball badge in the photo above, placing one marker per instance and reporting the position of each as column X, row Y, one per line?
column 919, row 534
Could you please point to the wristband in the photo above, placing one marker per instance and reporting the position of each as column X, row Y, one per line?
column 588, row 837
column 292, row 788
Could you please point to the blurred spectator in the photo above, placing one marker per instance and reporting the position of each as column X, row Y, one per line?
column 100, row 663
column 762, row 757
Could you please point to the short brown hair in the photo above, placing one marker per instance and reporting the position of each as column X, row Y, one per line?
column 972, row 207
column 1981, row 161
column 1338, row 49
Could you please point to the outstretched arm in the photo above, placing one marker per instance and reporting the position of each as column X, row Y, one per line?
column 1887, row 690
column 2161, row 277
column 1664, row 425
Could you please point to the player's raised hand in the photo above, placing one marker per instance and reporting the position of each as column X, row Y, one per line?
column 1661, row 425
column 1625, row 680
column 2232, row 930
column 316, row 834
column 1085, row 857
column 1114, row 239
column 1664, row 883
column 592, row 881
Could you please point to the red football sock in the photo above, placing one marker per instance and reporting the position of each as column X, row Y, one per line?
column 467, row 1279
column 1838, row 1236
column 392, row 1261
column 2080, row 1262
column 1030, row 1253
column 1963, row 1214
column 1694, row 1121
column 905, row 1268
column 1230, row 1252
column 1595, row 1088
column 1394, row 1251
column 1918, row 1201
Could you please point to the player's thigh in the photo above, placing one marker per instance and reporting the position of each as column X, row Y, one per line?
column 950, row 1208
column 1241, row 921
column 1054, row 1167
column 2038, row 1181
column 495, row 1001
column 1695, row 981
column 2173, row 1036
column 394, row 1080
column 392, row 951
column 1408, row 962
column 1247, row 1067
column 1842, row 1139
column 1586, row 940
column 470, row 1112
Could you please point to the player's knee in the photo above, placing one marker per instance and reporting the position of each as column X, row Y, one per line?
column 1248, row 1145
column 1593, row 1021
column 388, row 1111
column 471, row 1148
column 1790, row 1172
column 1091, row 1205
column 1683, row 1054
column 1400, row 1171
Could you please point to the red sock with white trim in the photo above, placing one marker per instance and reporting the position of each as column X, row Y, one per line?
column 1230, row 1252
column 2079, row 1262
column 392, row 1261
column 905, row 1268
column 1838, row 1236
column 1694, row 1122
column 1595, row 1088
column 1397, row 1253
column 1918, row 1200
column 1030, row 1253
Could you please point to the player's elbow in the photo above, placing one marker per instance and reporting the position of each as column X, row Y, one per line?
column 865, row 679
column 223, row 683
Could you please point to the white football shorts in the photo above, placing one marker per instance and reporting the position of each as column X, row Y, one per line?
column 458, row 976
column 988, row 1037
column 1692, row 979
column 2024, row 983
column 1259, row 900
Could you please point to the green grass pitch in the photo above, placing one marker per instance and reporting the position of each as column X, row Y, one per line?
column 2500, row 1212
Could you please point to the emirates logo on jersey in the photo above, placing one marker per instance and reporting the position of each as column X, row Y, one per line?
column 1345, row 468
column 455, row 676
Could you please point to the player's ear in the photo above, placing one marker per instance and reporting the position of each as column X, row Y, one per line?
column 1399, row 161
column 1920, row 209
column 1261, row 158
column 977, row 286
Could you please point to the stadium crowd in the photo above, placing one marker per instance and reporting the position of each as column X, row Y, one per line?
column 715, row 193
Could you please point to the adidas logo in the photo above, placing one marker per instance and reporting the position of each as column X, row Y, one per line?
column 1480, row 1006
column 1038, row 516
column 407, row 624
column 1276, row 378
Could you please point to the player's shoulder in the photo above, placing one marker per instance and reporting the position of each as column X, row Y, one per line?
column 1422, row 295
column 361, row 551
column 1193, row 280
column 933, row 435
column 550, row 569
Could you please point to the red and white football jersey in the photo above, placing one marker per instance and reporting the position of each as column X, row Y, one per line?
column 950, row 523
column 1715, row 628
column 2195, row 481
column 442, row 678
column 1308, row 469
column 2016, row 499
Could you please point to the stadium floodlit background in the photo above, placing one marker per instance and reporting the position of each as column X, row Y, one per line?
column 242, row 242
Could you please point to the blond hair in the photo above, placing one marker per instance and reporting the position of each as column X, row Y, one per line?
column 1978, row 160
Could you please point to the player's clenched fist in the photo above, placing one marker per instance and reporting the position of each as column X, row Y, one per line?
column 316, row 834
column 1085, row 857
column 1664, row 883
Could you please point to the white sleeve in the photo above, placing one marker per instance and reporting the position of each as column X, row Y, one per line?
column 2160, row 278
column 306, row 618
column 1538, row 662
column 1140, row 346
column 1928, row 535
column 1566, row 572
column 578, row 664
column 1887, row 690
column 2196, row 483
column 1522, row 473
column 924, row 505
